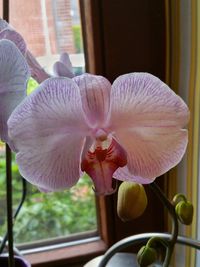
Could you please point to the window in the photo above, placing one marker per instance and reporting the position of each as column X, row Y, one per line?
column 49, row 28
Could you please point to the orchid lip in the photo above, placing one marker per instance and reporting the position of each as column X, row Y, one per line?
column 102, row 163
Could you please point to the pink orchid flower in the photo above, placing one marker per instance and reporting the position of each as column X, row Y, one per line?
column 131, row 130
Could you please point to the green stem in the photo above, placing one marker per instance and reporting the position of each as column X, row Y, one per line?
column 5, row 238
column 155, row 188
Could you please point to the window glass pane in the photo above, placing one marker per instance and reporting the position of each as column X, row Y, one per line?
column 49, row 28
column 51, row 215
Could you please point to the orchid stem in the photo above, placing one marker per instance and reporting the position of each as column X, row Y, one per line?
column 9, row 206
column 23, row 197
column 169, row 250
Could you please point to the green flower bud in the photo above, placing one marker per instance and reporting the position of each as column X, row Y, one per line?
column 184, row 211
column 132, row 201
column 146, row 256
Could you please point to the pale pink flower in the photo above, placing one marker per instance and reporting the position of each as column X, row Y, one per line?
column 131, row 130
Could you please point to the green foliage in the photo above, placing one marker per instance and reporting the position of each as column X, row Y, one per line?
column 31, row 86
column 47, row 215
column 78, row 38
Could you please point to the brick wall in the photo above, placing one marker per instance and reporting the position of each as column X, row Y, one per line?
column 27, row 16
column 63, row 20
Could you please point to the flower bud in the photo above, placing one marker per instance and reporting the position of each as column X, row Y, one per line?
column 132, row 201
column 184, row 211
column 146, row 256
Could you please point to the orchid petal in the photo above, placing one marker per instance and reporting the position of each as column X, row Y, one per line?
column 147, row 118
column 64, row 58
column 48, row 130
column 152, row 153
column 95, row 93
column 61, row 70
column 63, row 67
column 37, row 72
column 14, row 74
column 15, row 37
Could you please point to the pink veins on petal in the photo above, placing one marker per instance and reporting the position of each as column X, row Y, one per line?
column 131, row 130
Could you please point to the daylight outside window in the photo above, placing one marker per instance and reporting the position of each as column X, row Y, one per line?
column 49, row 28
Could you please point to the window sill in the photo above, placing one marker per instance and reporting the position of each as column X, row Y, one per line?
column 72, row 254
